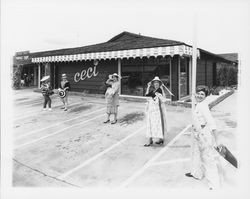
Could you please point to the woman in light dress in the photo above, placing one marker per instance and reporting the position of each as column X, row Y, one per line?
column 65, row 85
column 112, row 97
column 156, row 113
column 204, row 156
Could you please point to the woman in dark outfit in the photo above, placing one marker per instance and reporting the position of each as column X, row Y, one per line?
column 46, row 92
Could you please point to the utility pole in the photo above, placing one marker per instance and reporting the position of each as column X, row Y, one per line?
column 194, row 64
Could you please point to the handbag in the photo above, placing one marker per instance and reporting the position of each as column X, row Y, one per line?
column 227, row 155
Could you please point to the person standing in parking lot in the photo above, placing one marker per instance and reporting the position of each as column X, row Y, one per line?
column 46, row 92
column 112, row 97
column 65, row 86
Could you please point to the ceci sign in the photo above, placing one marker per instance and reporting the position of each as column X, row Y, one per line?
column 86, row 73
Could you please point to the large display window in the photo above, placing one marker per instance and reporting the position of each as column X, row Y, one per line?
column 136, row 73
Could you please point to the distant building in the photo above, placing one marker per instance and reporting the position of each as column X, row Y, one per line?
column 136, row 58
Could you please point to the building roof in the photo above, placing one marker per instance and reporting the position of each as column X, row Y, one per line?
column 230, row 56
column 122, row 41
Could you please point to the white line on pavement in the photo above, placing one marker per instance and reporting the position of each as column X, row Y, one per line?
column 58, row 123
column 59, row 131
column 33, row 112
column 64, row 175
column 29, row 104
column 170, row 161
column 149, row 163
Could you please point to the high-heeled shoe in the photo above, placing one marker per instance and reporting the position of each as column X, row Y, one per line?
column 191, row 176
column 149, row 143
column 113, row 122
column 106, row 121
column 160, row 142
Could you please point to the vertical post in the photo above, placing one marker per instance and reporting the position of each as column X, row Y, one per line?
column 119, row 73
column 39, row 75
column 194, row 62
column 175, row 77
column 190, row 76
column 179, row 77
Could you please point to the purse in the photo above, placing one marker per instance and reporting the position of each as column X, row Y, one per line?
column 227, row 155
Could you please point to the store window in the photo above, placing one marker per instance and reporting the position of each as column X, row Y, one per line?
column 136, row 73
column 184, row 77
column 131, row 83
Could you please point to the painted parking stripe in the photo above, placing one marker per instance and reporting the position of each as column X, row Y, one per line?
column 64, row 175
column 33, row 112
column 57, row 124
column 170, row 161
column 57, row 132
column 150, row 162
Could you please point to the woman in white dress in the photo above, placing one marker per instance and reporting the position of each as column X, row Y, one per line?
column 204, row 161
column 156, row 113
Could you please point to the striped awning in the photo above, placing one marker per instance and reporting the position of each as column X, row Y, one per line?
column 182, row 50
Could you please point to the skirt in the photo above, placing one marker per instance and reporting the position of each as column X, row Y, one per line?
column 112, row 109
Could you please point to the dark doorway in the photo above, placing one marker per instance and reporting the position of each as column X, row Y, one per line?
column 214, row 74
column 54, row 76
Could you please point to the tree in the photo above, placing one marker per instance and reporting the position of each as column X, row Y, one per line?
column 16, row 78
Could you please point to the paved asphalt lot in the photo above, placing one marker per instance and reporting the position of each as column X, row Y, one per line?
column 75, row 149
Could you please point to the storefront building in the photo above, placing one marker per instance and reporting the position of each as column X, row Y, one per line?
column 136, row 58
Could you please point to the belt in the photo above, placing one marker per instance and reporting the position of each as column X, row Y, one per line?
column 203, row 126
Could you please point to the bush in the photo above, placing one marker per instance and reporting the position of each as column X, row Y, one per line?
column 16, row 78
column 227, row 76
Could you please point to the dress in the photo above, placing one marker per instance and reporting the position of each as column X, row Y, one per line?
column 112, row 98
column 204, row 162
column 156, row 115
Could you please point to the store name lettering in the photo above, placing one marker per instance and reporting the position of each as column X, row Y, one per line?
column 89, row 73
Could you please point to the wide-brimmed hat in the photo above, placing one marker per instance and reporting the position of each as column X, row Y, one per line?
column 64, row 75
column 156, row 79
column 116, row 75
column 45, row 78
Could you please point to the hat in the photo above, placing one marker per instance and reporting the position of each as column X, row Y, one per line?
column 64, row 75
column 45, row 78
column 116, row 75
column 156, row 79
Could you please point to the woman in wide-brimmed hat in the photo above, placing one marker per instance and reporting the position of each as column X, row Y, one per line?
column 156, row 112
column 46, row 92
column 112, row 97
column 204, row 161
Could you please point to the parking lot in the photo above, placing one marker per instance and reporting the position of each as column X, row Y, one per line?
column 75, row 149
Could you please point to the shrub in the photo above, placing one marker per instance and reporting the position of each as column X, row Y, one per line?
column 16, row 78
column 227, row 76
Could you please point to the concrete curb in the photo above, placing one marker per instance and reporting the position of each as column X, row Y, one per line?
column 219, row 99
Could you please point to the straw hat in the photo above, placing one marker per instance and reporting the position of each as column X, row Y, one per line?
column 116, row 75
column 156, row 79
column 45, row 78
